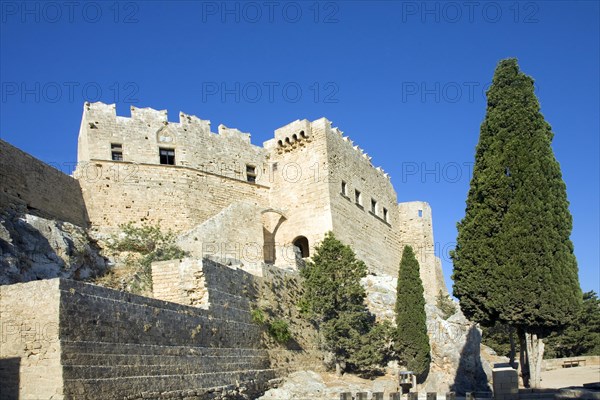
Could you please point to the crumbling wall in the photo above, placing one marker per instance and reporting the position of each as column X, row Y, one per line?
column 31, row 186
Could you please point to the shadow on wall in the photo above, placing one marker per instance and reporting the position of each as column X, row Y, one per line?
column 9, row 376
column 470, row 376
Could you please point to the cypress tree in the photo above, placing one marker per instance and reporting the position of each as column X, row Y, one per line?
column 335, row 300
column 412, row 342
column 514, row 261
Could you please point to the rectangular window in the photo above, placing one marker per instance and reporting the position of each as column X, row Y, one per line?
column 167, row 156
column 374, row 206
column 357, row 197
column 250, row 173
column 385, row 214
column 344, row 188
column 116, row 150
column 420, row 213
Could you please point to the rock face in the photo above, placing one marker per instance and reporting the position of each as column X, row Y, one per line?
column 459, row 362
column 33, row 248
column 303, row 385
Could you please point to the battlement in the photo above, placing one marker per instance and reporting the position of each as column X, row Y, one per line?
column 293, row 134
column 338, row 133
column 94, row 112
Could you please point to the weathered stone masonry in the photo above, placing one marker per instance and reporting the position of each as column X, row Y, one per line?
column 308, row 180
column 90, row 342
column 31, row 186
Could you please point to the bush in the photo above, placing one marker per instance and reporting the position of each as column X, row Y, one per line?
column 280, row 331
column 146, row 244
column 446, row 305
column 258, row 316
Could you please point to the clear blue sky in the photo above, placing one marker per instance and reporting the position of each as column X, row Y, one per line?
column 403, row 79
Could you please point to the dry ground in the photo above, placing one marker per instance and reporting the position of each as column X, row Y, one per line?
column 565, row 377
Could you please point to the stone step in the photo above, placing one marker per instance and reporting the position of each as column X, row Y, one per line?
column 200, row 367
column 95, row 359
column 132, row 387
column 86, row 347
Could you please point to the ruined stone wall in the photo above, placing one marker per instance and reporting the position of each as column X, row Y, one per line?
column 30, row 351
column 31, row 186
column 299, row 187
column 372, row 232
column 416, row 230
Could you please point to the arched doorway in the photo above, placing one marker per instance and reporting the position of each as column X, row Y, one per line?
column 272, row 220
column 301, row 242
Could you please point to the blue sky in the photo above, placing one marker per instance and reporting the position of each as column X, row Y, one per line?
column 404, row 79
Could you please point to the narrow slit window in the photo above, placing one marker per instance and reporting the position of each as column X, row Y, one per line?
column 116, row 151
column 250, row 173
column 344, row 188
column 357, row 197
column 374, row 206
column 420, row 213
column 167, row 156
column 385, row 214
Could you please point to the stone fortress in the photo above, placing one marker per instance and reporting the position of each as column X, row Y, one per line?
column 234, row 199
column 247, row 215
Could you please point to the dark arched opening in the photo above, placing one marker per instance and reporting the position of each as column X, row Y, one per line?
column 301, row 242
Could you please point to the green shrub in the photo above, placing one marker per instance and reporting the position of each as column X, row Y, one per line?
column 280, row 331
column 146, row 244
column 446, row 305
column 258, row 316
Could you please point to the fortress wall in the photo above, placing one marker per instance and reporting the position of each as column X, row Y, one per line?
column 299, row 186
column 234, row 233
column 116, row 345
column 141, row 136
column 30, row 351
column 37, row 188
column 416, row 230
column 373, row 236
column 234, row 292
column 179, row 197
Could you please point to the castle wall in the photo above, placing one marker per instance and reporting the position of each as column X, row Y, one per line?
column 298, row 172
column 372, row 235
column 141, row 136
column 235, row 233
column 30, row 367
column 113, row 344
column 179, row 197
column 31, row 186
column 416, row 230
column 209, row 174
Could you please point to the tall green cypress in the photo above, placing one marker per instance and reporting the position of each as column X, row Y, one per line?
column 514, row 260
column 412, row 342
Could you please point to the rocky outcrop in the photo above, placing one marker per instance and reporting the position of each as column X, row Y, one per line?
column 459, row 362
column 33, row 248
column 303, row 385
